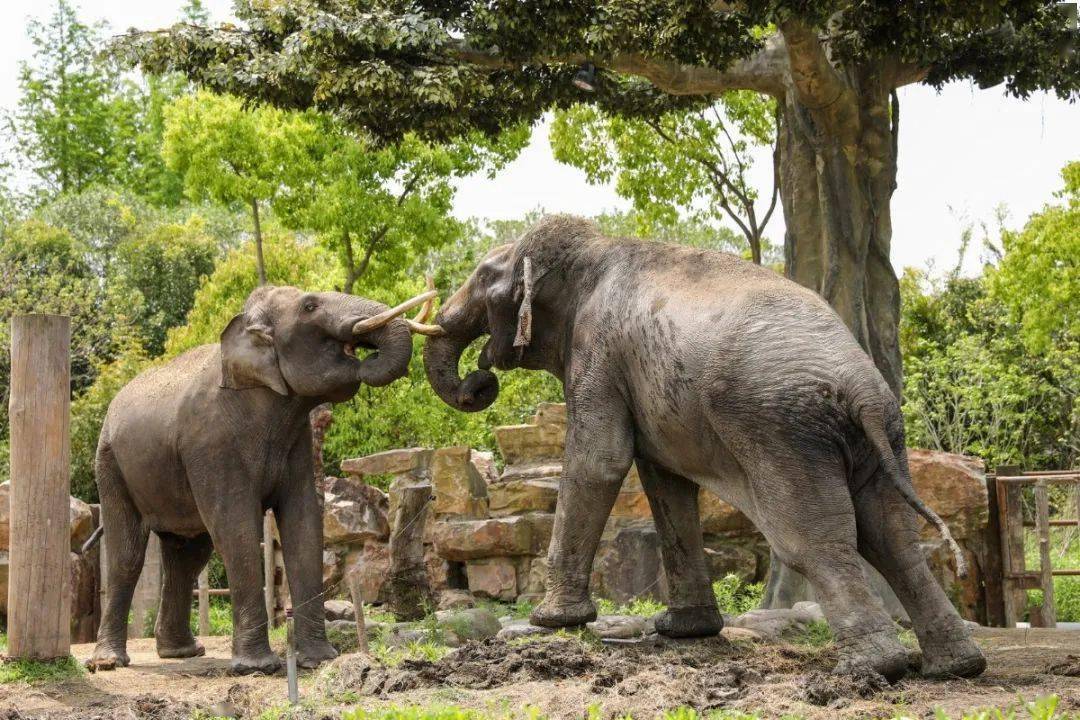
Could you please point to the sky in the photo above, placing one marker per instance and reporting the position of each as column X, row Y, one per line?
column 963, row 152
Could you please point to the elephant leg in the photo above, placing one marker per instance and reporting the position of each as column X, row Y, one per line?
column 183, row 559
column 125, row 548
column 888, row 539
column 599, row 452
column 805, row 511
column 300, row 525
column 692, row 610
column 236, row 528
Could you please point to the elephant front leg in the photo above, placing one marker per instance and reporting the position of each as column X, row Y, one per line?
column 236, row 530
column 300, row 524
column 599, row 451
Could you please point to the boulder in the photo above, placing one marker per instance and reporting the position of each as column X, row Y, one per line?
column 354, row 512
column 629, row 566
column 372, row 563
column 516, row 629
column 342, row 634
column 775, row 624
column 617, row 627
column 494, row 578
column 332, row 567
column 514, row 497
column 737, row 634
column 484, row 462
column 631, row 502
column 469, row 624
column 458, row 486
column 531, row 444
column 718, row 517
column 80, row 519
column 390, row 462
column 954, row 486
column 339, row 610
column 452, row 599
column 496, row 537
column 532, row 575
column 723, row 559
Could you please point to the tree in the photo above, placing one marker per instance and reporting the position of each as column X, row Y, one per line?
column 230, row 154
column 694, row 161
column 444, row 69
column 71, row 122
column 376, row 207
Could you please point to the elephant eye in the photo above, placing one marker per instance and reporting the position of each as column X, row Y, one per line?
column 310, row 307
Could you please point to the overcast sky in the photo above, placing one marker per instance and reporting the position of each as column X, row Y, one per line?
column 963, row 151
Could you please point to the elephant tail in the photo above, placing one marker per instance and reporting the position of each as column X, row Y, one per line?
column 872, row 418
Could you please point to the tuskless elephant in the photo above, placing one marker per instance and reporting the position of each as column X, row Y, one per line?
column 707, row 371
column 197, row 449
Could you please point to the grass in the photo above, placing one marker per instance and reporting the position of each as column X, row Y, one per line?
column 35, row 672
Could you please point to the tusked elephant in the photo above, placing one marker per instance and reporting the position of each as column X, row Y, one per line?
column 197, row 449
column 707, row 371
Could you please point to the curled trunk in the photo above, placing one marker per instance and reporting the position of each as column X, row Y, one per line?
column 390, row 361
column 442, row 356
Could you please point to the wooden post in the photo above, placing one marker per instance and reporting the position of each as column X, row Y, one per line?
column 39, row 602
column 268, row 567
column 1012, row 544
column 144, row 603
column 204, row 602
column 353, row 578
column 1046, row 577
column 410, row 592
column 993, row 587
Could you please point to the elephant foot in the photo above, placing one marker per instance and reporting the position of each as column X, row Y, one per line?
column 879, row 652
column 689, row 622
column 313, row 653
column 557, row 613
column 194, row 648
column 266, row 663
column 106, row 657
column 960, row 658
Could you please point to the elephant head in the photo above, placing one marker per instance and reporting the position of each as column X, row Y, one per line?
column 513, row 296
column 305, row 343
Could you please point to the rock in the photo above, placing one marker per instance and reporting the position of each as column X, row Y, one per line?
column 339, row 610
column 515, row 497
column 357, row 514
column 452, row 599
column 530, row 444
column 458, row 487
column 390, row 462
column 372, row 562
column 80, row 519
column 332, row 561
column 549, row 470
column 484, row 462
column 719, row 517
column 5, row 562
column 83, row 586
column 775, row 624
column 497, row 537
column 549, row 413
column 617, row 627
column 494, row 578
column 470, row 624
column 739, row 634
column 954, row 486
column 731, row 559
column 811, row 611
column 532, row 575
column 629, row 566
column 402, row 634
column 516, row 629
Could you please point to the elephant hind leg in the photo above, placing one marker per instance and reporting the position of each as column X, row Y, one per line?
column 888, row 539
column 692, row 610
column 125, row 547
column 183, row 560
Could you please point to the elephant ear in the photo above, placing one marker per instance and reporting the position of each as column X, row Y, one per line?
column 248, row 357
column 524, row 326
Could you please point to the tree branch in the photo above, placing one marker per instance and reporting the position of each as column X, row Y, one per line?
column 762, row 72
column 815, row 80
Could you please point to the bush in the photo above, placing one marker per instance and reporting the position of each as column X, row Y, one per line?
column 736, row 597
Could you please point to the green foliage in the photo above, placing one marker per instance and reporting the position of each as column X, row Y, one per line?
column 644, row 607
column 734, row 597
column 422, row 713
column 817, row 634
column 38, row 672
column 986, row 377
column 221, row 621
column 1044, row 708
column 686, row 165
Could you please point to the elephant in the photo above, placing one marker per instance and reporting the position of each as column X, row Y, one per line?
column 707, row 371
column 197, row 449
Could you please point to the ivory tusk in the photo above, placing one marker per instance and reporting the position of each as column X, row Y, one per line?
column 377, row 321
column 425, row 311
column 422, row 329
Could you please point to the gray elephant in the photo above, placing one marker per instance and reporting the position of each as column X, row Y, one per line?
column 707, row 371
column 197, row 449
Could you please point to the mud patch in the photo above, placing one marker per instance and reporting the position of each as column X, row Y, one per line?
column 1070, row 667
column 826, row 689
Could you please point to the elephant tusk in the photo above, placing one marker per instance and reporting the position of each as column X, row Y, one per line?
column 425, row 311
column 422, row 329
column 377, row 321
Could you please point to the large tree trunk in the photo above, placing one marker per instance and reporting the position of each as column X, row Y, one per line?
column 837, row 176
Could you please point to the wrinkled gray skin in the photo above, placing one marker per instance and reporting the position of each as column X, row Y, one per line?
column 197, row 449
column 708, row 371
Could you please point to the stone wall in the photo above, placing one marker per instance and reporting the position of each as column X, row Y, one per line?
column 488, row 532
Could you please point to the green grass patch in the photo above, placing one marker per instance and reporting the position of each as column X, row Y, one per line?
column 817, row 634
column 736, row 597
column 220, row 616
column 644, row 607
column 36, row 672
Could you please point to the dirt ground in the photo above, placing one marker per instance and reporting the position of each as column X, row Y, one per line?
column 562, row 678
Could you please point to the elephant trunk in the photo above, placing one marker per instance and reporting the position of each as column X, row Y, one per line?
column 393, row 350
column 442, row 356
